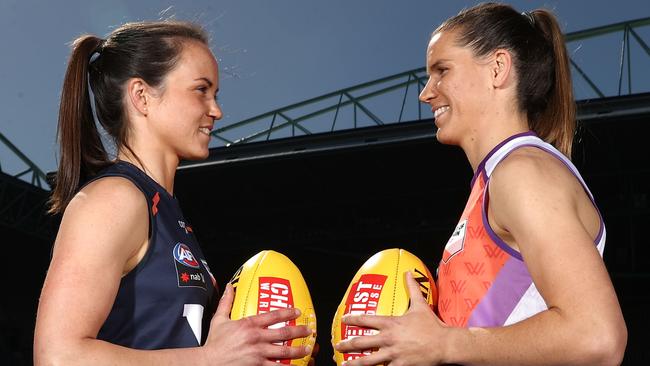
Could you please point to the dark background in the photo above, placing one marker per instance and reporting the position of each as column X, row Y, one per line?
column 329, row 202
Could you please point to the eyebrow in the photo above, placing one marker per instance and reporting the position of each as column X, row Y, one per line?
column 436, row 64
column 206, row 80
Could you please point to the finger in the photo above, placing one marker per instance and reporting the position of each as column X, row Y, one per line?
column 359, row 344
column 415, row 295
column 366, row 321
column 225, row 303
column 285, row 333
column 274, row 317
column 285, row 352
column 375, row 358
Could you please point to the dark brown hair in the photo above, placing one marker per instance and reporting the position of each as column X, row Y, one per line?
column 146, row 50
column 544, row 89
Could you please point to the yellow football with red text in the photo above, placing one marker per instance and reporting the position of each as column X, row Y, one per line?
column 270, row 281
column 379, row 288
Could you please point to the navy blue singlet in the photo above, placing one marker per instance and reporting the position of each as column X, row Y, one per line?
column 168, row 299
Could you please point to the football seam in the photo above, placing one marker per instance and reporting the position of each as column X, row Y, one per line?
column 250, row 288
column 399, row 256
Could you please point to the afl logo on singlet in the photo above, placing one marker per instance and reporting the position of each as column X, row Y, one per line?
column 184, row 256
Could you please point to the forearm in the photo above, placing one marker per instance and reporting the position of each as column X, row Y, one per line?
column 95, row 352
column 547, row 338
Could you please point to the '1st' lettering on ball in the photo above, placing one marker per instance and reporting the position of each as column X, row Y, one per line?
column 379, row 288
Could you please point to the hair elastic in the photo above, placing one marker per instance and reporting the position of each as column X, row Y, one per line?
column 97, row 52
column 530, row 17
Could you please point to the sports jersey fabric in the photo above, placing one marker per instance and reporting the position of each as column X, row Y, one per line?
column 481, row 280
column 167, row 300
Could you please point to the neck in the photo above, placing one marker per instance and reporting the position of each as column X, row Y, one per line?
column 159, row 167
column 479, row 144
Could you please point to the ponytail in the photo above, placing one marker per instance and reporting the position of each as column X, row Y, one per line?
column 81, row 152
column 557, row 122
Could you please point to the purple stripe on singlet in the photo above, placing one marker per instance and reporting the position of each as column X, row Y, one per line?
column 506, row 291
column 480, row 169
column 495, row 238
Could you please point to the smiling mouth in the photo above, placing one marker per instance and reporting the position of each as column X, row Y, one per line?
column 205, row 130
column 440, row 110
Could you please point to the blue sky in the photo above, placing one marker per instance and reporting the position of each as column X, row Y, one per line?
column 271, row 53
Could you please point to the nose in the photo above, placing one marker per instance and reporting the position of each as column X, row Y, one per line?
column 215, row 111
column 428, row 92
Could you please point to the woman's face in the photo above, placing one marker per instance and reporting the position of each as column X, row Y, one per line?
column 457, row 89
column 184, row 111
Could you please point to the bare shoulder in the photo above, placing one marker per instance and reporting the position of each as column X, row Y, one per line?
column 529, row 169
column 111, row 212
column 110, row 191
column 532, row 178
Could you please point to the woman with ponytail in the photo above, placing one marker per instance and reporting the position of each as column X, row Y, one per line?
column 521, row 280
column 127, row 283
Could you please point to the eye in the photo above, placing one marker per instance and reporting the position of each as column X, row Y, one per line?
column 203, row 89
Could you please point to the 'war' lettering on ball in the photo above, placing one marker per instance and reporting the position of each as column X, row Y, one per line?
column 275, row 294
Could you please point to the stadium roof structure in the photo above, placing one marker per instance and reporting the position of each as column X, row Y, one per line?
column 393, row 99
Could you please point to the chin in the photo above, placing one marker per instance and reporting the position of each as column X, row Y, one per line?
column 442, row 138
column 445, row 139
column 197, row 155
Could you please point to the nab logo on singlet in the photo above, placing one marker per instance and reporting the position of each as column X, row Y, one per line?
column 456, row 242
column 184, row 256
column 184, row 226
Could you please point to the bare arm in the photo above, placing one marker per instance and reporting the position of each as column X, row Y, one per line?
column 103, row 229
column 536, row 202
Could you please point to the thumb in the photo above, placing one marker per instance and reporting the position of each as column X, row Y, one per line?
column 415, row 295
column 225, row 303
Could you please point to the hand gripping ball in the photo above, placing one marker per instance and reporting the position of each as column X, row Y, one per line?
column 270, row 281
column 379, row 288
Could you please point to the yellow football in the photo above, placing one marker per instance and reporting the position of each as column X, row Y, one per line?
column 379, row 288
column 270, row 281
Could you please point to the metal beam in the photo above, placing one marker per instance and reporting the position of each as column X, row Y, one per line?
column 354, row 96
column 38, row 177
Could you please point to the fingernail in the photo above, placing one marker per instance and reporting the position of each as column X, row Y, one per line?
column 296, row 311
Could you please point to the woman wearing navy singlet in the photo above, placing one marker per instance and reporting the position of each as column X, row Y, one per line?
column 128, row 283
column 521, row 280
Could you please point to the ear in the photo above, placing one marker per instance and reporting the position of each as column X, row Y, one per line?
column 501, row 68
column 138, row 94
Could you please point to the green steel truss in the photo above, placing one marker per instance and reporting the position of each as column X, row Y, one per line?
column 32, row 173
column 393, row 99
column 626, row 31
column 22, row 205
